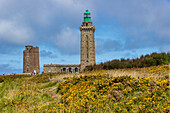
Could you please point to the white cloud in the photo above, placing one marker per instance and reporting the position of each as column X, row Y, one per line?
column 72, row 6
column 145, row 22
column 151, row 16
column 13, row 32
column 41, row 12
column 68, row 41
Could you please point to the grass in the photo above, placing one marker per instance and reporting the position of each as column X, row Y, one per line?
column 51, row 84
column 120, row 90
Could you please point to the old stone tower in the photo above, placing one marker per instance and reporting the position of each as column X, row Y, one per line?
column 87, row 42
column 31, row 59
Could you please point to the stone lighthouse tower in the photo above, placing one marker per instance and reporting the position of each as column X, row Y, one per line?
column 87, row 42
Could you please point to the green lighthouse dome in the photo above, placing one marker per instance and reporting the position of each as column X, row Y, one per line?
column 87, row 17
column 87, row 12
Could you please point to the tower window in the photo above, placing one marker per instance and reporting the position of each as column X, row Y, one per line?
column 49, row 69
column 87, row 55
column 87, row 49
column 27, row 58
column 87, row 61
column 87, row 43
column 86, row 24
column 27, row 67
column 86, row 36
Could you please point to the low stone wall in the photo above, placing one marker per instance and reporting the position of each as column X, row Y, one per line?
column 19, row 74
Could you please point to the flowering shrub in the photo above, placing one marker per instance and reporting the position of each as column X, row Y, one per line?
column 101, row 93
column 12, row 77
column 1, row 79
column 40, row 78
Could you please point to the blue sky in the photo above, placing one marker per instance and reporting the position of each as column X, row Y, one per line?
column 124, row 29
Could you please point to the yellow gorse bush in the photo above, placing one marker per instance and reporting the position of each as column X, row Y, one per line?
column 90, row 93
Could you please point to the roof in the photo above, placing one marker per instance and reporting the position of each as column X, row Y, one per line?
column 87, row 12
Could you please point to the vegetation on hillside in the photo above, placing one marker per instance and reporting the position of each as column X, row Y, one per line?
column 12, row 77
column 96, row 91
column 153, row 59
column 102, row 93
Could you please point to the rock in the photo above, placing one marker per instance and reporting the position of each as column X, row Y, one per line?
column 166, row 77
column 128, row 88
column 128, row 83
column 146, row 93
column 109, row 96
column 117, row 94
column 137, row 93
column 133, row 82
column 152, row 83
column 58, row 80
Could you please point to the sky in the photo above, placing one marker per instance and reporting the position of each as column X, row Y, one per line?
column 124, row 29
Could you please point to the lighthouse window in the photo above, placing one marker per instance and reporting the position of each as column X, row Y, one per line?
column 87, row 43
column 86, row 36
column 86, row 30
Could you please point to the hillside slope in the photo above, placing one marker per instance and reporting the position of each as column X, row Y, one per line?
column 120, row 90
column 153, row 59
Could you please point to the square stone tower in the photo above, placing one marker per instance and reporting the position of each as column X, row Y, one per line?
column 87, row 42
column 31, row 59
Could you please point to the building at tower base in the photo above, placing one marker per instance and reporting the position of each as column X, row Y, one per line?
column 65, row 68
